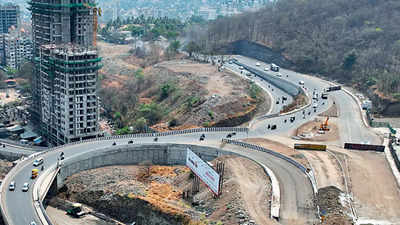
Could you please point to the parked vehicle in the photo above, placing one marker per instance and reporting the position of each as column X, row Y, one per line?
column 301, row 82
column 258, row 64
column 324, row 96
column 273, row 127
column 75, row 210
column 130, row 142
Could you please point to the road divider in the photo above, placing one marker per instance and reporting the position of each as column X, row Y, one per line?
column 310, row 147
column 364, row 147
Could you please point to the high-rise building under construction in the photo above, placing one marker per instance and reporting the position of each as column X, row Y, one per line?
column 65, row 103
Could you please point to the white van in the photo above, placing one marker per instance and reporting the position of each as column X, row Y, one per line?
column 38, row 162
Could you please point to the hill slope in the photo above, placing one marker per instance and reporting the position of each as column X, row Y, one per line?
column 356, row 41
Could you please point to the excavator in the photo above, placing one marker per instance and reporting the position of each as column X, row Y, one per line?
column 324, row 126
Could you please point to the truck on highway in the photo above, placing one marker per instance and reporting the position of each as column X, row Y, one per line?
column 333, row 88
column 274, row 67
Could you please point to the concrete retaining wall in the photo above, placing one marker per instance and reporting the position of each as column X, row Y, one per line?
column 160, row 154
column 286, row 86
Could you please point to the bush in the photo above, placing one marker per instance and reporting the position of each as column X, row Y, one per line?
column 173, row 123
column 254, row 91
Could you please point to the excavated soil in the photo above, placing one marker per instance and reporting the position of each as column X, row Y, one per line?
column 309, row 131
column 331, row 208
column 155, row 194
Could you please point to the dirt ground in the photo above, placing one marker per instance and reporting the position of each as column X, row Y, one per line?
column 245, row 196
column 326, row 169
column 252, row 183
column 208, row 74
column 13, row 96
column 309, row 130
column 376, row 194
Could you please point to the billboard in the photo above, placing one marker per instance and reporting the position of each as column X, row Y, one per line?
column 310, row 147
column 379, row 148
column 207, row 174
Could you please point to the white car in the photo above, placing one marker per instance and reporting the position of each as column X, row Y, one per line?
column 301, row 82
column 25, row 187
column 258, row 64
column 38, row 162
column 279, row 75
column 315, row 105
column 266, row 69
column 241, row 67
column 12, row 186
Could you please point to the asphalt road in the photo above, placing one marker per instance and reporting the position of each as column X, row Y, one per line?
column 296, row 188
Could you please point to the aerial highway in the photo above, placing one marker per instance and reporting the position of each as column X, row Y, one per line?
column 297, row 191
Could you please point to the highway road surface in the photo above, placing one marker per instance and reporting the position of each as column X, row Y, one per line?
column 297, row 190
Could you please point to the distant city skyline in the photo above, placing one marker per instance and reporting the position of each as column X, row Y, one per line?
column 181, row 9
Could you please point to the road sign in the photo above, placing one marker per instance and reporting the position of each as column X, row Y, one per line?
column 207, row 174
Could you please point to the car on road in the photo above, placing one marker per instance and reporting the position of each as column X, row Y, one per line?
column 25, row 187
column 202, row 137
column 241, row 67
column 33, row 223
column 12, row 186
column 315, row 105
column 258, row 64
column 279, row 75
column 38, row 162
column 266, row 69
column 229, row 136
column 301, row 82
column 273, row 127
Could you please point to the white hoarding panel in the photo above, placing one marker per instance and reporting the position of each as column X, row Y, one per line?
column 207, row 174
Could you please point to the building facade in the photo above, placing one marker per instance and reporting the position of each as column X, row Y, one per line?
column 64, row 39
column 16, row 49
column 9, row 16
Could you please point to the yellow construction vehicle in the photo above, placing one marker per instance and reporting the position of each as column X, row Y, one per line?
column 324, row 126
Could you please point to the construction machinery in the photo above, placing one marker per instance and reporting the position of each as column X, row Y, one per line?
column 75, row 210
column 324, row 126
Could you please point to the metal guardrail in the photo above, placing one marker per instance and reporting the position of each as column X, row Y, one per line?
column 262, row 149
column 394, row 154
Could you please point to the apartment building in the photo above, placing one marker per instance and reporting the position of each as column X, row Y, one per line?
column 16, row 48
column 66, row 65
column 9, row 16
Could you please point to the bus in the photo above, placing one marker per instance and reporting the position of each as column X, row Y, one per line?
column 274, row 67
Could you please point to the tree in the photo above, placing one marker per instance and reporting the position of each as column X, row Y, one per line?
column 192, row 47
column 349, row 61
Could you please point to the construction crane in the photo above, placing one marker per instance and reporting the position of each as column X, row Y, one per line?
column 96, row 12
column 324, row 126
